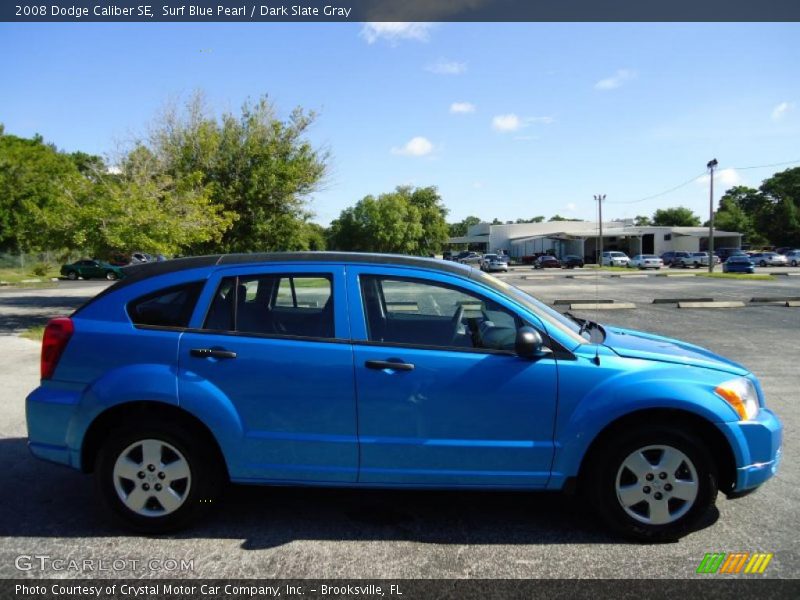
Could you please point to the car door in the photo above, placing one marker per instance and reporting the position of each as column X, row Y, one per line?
column 442, row 398
column 271, row 346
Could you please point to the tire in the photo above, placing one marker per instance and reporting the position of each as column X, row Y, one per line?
column 111, row 275
column 189, row 497
column 695, row 475
column 763, row 263
column 794, row 263
column 72, row 275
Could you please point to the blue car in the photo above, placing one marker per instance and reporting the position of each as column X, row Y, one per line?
column 739, row 264
column 385, row 371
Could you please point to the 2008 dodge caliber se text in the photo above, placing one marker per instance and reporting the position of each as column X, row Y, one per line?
column 385, row 371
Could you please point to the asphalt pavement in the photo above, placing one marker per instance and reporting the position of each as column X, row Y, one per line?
column 327, row 533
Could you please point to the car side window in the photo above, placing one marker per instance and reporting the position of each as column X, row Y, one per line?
column 169, row 307
column 424, row 313
column 292, row 305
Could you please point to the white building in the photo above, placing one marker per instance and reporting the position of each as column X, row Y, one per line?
column 580, row 238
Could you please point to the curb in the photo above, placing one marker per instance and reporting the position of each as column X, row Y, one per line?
column 598, row 301
column 602, row 306
column 734, row 304
column 775, row 299
column 792, row 304
column 679, row 300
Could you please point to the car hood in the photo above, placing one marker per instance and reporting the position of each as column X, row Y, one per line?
column 637, row 344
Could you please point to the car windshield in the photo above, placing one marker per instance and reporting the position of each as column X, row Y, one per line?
column 616, row 254
column 537, row 307
column 490, row 256
column 648, row 256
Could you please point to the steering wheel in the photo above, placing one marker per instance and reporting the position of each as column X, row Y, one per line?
column 455, row 322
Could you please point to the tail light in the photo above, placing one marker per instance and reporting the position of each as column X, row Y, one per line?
column 56, row 336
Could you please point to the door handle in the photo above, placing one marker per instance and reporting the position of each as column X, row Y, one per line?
column 211, row 353
column 389, row 364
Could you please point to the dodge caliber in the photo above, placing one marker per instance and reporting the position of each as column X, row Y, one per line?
column 385, row 371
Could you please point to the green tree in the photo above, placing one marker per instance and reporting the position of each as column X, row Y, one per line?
column 777, row 218
column 256, row 166
column 432, row 214
column 678, row 216
column 538, row 219
column 39, row 189
column 642, row 221
column 388, row 223
column 462, row 227
column 560, row 218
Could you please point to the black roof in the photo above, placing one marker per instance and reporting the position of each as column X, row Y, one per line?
column 139, row 272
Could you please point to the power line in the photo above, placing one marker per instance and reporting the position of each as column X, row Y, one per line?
column 693, row 179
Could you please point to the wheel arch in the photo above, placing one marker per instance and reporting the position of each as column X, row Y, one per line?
column 101, row 427
column 714, row 439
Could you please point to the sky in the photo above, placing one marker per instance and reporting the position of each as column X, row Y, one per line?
column 507, row 120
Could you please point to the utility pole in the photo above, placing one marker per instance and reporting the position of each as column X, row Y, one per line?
column 712, row 164
column 599, row 245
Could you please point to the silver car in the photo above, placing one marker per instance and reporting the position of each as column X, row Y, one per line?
column 646, row 261
column 493, row 262
column 793, row 256
column 769, row 259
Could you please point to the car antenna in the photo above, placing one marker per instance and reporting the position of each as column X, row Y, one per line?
column 599, row 198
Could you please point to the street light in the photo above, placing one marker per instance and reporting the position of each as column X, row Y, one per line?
column 599, row 245
column 712, row 164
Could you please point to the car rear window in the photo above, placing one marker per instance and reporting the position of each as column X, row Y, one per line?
column 169, row 307
column 297, row 305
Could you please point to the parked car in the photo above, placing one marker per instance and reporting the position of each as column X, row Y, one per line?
column 371, row 371
column 769, row 259
column 738, row 264
column 646, row 261
column 615, row 259
column 447, row 255
column 140, row 257
column 691, row 259
column 119, row 260
column 89, row 268
column 469, row 258
column 725, row 252
column 793, row 257
column 547, row 261
column 570, row 261
column 670, row 257
column 492, row 262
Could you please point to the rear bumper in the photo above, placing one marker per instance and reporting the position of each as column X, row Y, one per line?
column 49, row 413
column 757, row 448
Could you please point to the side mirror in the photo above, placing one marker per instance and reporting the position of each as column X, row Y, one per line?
column 529, row 344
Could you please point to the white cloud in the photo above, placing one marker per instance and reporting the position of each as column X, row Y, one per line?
column 446, row 67
column 416, row 146
column 571, row 207
column 724, row 177
column 395, row 32
column 462, row 108
column 513, row 122
column 780, row 111
column 616, row 80
column 504, row 123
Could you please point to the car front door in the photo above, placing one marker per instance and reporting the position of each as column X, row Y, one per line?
column 442, row 398
column 270, row 346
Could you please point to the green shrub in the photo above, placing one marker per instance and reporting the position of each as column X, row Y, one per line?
column 40, row 269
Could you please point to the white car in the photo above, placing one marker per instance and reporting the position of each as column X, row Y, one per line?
column 493, row 262
column 615, row 259
column 646, row 261
column 793, row 256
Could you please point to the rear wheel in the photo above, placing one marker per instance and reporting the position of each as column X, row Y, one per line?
column 794, row 263
column 72, row 275
column 763, row 263
column 653, row 484
column 157, row 478
column 111, row 275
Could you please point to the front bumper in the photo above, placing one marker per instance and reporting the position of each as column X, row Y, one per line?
column 757, row 448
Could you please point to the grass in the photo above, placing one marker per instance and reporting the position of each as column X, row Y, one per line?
column 17, row 276
column 34, row 333
column 761, row 277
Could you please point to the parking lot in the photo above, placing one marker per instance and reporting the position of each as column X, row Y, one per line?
column 326, row 533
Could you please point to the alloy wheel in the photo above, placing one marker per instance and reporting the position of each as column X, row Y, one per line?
column 657, row 485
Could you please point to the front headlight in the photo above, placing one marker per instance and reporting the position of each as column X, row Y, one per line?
column 741, row 395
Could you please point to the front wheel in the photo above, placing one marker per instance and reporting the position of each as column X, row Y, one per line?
column 652, row 484
column 763, row 263
column 156, row 479
column 111, row 276
column 794, row 263
column 72, row 275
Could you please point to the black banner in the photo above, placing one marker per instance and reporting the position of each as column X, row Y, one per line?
column 399, row 10
column 719, row 588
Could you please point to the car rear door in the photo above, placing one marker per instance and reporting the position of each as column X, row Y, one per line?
column 434, row 406
column 269, row 348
